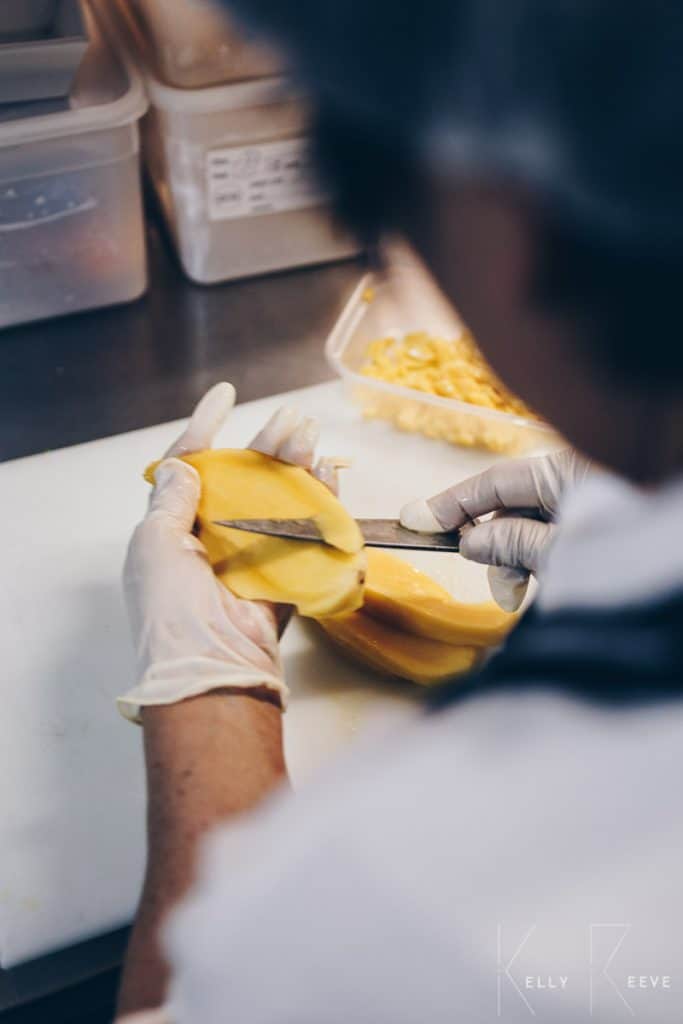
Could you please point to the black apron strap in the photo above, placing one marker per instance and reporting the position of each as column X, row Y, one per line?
column 632, row 655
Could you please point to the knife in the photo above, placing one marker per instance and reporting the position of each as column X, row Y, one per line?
column 377, row 533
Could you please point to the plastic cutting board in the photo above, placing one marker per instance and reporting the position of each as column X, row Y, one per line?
column 71, row 783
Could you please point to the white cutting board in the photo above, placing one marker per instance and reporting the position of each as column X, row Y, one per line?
column 71, row 781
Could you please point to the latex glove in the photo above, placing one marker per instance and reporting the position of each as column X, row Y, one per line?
column 191, row 634
column 524, row 495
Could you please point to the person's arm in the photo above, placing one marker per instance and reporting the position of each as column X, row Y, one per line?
column 207, row 758
column 210, row 690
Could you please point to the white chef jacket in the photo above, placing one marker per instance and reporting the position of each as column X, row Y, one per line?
column 516, row 855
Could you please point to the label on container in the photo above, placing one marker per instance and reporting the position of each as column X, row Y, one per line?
column 270, row 177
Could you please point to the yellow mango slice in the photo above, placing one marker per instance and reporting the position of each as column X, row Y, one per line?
column 400, row 654
column 399, row 594
column 316, row 578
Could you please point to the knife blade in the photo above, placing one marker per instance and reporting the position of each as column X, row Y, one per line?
column 377, row 533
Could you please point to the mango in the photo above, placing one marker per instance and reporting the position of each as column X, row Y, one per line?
column 401, row 654
column 403, row 597
column 318, row 579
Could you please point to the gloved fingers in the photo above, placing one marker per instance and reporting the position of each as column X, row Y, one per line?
column 158, row 553
column 512, row 541
column 327, row 469
column 292, row 438
column 571, row 467
column 276, row 431
column 176, row 494
column 208, row 417
column 508, row 586
column 518, row 483
column 515, row 483
column 299, row 447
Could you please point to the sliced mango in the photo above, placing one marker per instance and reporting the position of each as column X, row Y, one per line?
column 386, row 649
column 407, row 599
column 317, row 579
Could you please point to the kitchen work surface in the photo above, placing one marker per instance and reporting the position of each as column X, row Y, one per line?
column 78, row 378
column 89, row 376
column 71, row 789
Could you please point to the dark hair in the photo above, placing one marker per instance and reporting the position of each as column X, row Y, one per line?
column 371, row 176
column 627, row 297
column 594, row 93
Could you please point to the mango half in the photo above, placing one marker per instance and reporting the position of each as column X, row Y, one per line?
column 318, row 579
column 405, row 598
column 400, row 654
column 411, row 627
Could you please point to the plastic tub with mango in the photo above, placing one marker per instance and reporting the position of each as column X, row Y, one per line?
column 404, row 356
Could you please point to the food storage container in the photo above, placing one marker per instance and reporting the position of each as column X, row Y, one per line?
column 71, row 225
column 34, row 108
column 191, row 44
column 25, row 18
column 397, row 302
column 230, row 167
column 45, row 66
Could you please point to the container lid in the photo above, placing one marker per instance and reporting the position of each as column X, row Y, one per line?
column 108, row 92
column 254, row 92
column 211, row 99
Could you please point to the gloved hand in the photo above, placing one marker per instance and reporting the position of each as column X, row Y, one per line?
column 524, row 495
column 191, row 634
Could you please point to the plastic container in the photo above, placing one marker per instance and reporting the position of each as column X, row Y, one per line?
column 230, row 168
column 44, row 67
column 191, row 44
column 35, row 108
column 71, row 224
column 397, row 303
column 229, row 165
column 25, row 18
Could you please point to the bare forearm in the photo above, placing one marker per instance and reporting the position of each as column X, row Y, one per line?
column 207, row 759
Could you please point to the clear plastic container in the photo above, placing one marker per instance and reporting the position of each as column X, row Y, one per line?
column 229, row 165
column 71, row 223
column 396, row 303
column 192, row 44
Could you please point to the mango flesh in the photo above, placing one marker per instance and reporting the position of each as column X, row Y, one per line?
column 409, row 626
column 400, row 654
column 318, row 579
column 408, row 600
